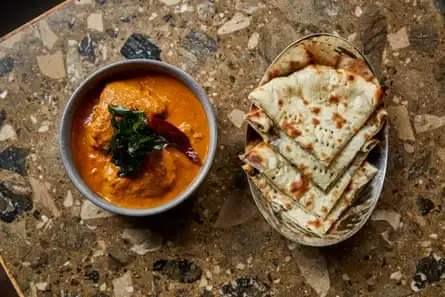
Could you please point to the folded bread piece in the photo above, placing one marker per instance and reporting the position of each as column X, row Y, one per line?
column 319, row 107
column 298, row 57
column 300, row 216
column 287, row 179
column 306, row 163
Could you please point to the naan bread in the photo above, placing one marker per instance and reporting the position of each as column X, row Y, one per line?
column 298, row 57
column 295, row 213
column 306, row 163
column 287, row 179
column 292, row 60
column 319, row 107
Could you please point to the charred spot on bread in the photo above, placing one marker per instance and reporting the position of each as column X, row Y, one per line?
column 334, row 99
column 290, row 129
column 315, row 110
column 338, row 119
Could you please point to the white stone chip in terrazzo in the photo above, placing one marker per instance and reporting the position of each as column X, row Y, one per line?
column 170, row 2
column 143, row 240
column 83, row 2
column 399, row 39
column 314, row 268
column 238, row 22
column 52, row 65
column 95, row 22
column 427, row 122
column 41, row 196
column 399, row 119
column 390, row 216
column 7, row 132
column 90, row 211
column 253, row 41
column 441, row 154
column 123, row 286
column 48, row 37
column 69, row 201
column 236, row 116
column 11, row 41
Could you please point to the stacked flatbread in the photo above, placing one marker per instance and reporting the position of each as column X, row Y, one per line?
column 317, row 123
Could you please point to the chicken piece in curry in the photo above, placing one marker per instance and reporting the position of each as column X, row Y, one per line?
column 131, row 94
column 163, row 174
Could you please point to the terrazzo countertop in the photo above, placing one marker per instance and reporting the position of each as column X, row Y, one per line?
column 58, row 244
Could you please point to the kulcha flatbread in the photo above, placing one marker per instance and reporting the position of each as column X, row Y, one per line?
column 319, row 107
column 295, row 213
column 306, row 163
column 287, row 179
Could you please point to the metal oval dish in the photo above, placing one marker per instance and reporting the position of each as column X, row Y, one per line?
column 329, row 47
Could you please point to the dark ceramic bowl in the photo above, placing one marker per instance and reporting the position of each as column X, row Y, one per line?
column 121, row 70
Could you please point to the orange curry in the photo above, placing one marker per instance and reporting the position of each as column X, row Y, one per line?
column 164, row 174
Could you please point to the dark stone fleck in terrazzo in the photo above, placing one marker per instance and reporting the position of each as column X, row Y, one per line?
column 439, row 70
column 240, row 180
column 118, row 258
column 92, row 274
column 139, row 46
column 71, row 23
column 440, row 4
column 2, row 116
column 323, row 6
column 12, row 205
column 36, row 214
column 199, row 43
column 86, row 48
column 424, row 38
column 41, row 261
column 6, row 65
column 24, row 286
column 112, row 32
column 428, row 271
column 425, row 205
column 100, row 2
column 100, row 295
column 206, row 294
column 15, row 195
column 419, row 167
column 182, row 293
column 167, row 18
column 375, row 31
column 73, row 236
column 246, row 287
column 128, row 19
column 182, row 270
column 14, row 159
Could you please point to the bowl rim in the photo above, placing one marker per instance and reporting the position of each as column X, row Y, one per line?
column 385, row 151
column 65, row 131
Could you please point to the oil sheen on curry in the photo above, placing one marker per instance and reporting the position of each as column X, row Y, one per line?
column 142, row 141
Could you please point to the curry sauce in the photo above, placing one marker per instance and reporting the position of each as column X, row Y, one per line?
column 165, row 174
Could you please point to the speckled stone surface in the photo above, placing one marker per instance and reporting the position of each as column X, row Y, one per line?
column 217, row 244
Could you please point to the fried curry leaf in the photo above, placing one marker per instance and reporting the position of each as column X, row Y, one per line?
column 135, row 137
column 132, row 139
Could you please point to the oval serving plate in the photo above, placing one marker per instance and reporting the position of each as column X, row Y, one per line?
column 325, row 49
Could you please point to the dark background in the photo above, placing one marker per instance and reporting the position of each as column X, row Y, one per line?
column 14, row 13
